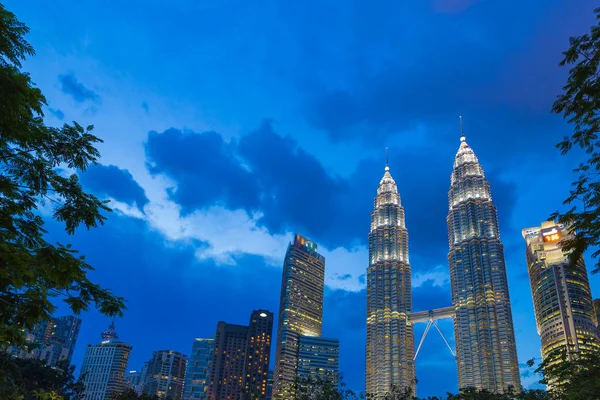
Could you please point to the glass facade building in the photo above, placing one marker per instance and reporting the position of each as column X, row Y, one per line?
column 562, row 299
column 318, row 358
column 300, row 310
column 104, row 365
column 134, row 380
column 197, row 374
column 483, row 327
column 390, row 336
column 597, row 307
column 56, row 339
column 164, row 374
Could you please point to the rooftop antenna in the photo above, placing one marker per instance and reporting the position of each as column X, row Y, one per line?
column 387, row 168
column 462, row 131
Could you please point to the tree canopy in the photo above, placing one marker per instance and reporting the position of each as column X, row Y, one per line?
column 29, row 379
column 579, row 104
column 39, row 168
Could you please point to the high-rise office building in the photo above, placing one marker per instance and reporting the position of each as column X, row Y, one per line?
column 56, row 339
column 229, row 358
column 390, row 336
column 197, row 374
column 270, row 386
column 258, row 352
column 597, row 307
column 240, row 363
column 300, row 310
column 318, row 359
column 562, row 299
column 134, row 381
column 485, row 340
column 104, row 365
column 165, row 374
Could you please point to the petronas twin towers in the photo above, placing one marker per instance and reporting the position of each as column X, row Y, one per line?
column 485, row 342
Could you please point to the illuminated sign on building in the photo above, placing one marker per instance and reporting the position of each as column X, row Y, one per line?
column 550, row 234
column 302, row 241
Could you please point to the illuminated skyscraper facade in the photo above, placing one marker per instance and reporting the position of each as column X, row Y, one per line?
column 239, row 368
column 597, row 307
column 390, row 337
column 318, row 359
column 258, row 352
column 300, row 310
column 104, row 365
column 483, row 326
column 229, row 358
column 165, row 374
column 197, row 374
column 562, row 299
column 56, row 339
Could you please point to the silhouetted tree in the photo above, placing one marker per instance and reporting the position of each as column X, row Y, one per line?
column 33, row 270
column 579, row 103
column 32, row 379
column 130, row 394
column 573, row 378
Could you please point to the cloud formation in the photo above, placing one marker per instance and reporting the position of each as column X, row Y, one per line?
column 112, row 181
column 78, row 92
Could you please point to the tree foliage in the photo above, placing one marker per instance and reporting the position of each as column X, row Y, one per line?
column 572, row 378
column 579, row 104
column 131, row 394
column 32, row 379
column 33, row 158
column 323, row 387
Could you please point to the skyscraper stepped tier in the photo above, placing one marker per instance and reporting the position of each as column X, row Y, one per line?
column 483, row 326
column 390, row 338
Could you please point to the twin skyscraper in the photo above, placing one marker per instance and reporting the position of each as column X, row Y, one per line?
column 483, row 326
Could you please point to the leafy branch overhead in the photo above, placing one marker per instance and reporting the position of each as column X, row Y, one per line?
column 579, row 104
column 33, row 158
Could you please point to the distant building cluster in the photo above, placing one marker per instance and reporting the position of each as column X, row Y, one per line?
column 50, row 341
column 234, row 364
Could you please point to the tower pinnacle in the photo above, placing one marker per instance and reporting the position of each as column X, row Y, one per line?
column 462, row 131
column 387, row 167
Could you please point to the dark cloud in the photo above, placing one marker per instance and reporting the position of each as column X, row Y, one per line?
column 57, row 113
column 343, row 277
column 206, row 169
column 72, row 87
column 296, row 191
column 110, row 180
column 269, row 173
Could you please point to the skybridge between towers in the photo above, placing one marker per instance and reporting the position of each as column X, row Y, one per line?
column 430, row 317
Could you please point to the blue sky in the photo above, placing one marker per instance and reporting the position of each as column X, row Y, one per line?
column 229, row 125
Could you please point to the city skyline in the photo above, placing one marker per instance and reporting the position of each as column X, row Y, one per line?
column 333, row 94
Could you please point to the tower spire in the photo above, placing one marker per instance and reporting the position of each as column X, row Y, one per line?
column 387, row 166
column 462, row 131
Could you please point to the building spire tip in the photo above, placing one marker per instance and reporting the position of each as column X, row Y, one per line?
column 462, row 131
column 387, row 166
